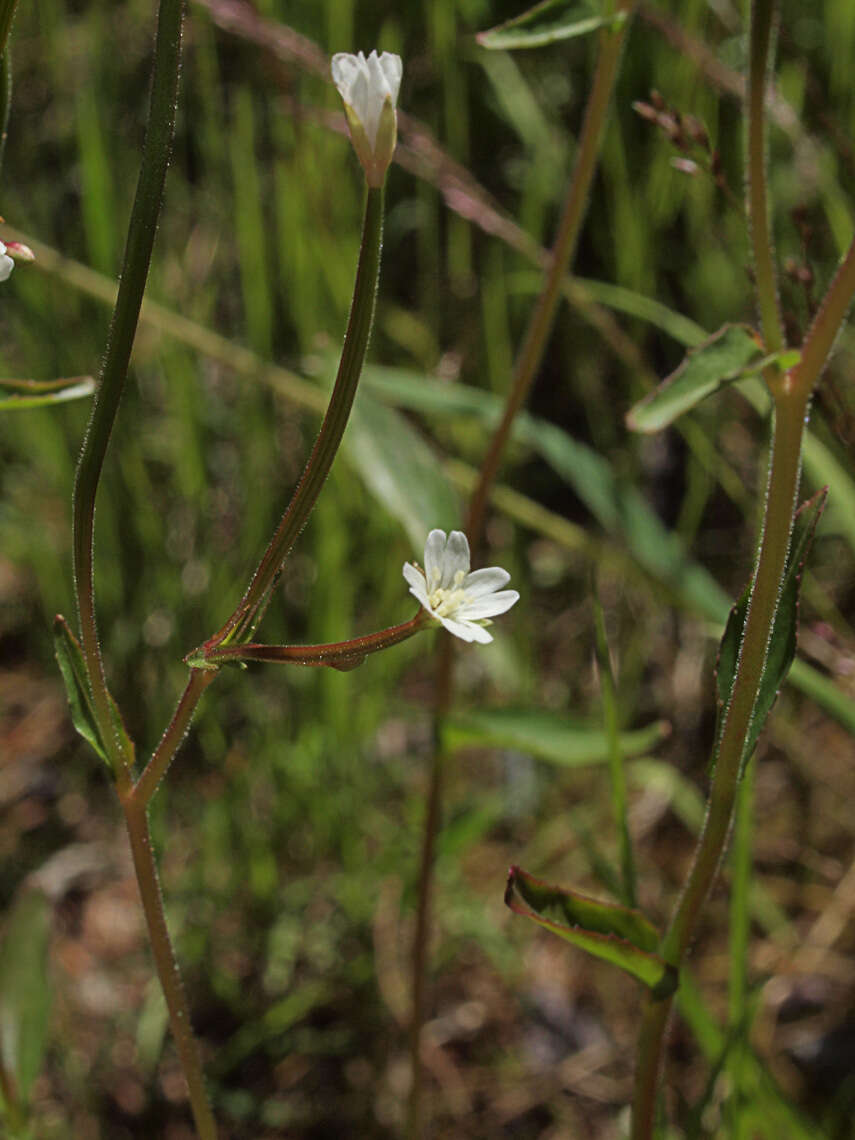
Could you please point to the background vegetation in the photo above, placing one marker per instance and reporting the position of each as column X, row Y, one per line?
column 289, row 825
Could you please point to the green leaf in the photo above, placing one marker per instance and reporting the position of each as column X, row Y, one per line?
column 547, row 23
column 732, row 353
column 617, row 934
column 72, row 666
column 400, row 469
column 546, row 735
column 782, row 643
column 19, row 395
column 25, row 994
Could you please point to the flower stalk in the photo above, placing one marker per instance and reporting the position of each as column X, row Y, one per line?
column 135, row 266
column 250, row 609
column 337, row 655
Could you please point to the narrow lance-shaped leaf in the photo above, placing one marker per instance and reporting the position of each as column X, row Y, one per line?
column 616, row 934
column 25, row 996
column 547, row 23
column 72, row 666
column 731, row 354
column 20, row 395
column 782, row 643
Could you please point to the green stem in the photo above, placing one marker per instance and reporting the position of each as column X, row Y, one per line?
column 248, row 612
column 141, row 232
column 790, row 410
column 740, row 931
column 7, row 16
column 526, row 366
column 172, row 738
column 136, row 822
column 826, row 325
column 762, row 29
column 543, row 316
column 5, row 98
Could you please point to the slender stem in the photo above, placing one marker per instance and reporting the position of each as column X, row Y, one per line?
column 5, row 98
column 173, row 736
column 762, row 28
column 543, row 316
column 136, row 822
column 361, row 319
column 790, row 409
column 341, row 654
column 430, row 830
column 526, row 366
column 7, row 16
column 826, row 325
column 141, row 232
column 740, row 931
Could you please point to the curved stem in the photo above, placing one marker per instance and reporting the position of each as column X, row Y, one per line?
column 136, row 822
column 543, row 316
column 337, row 654
column 790, row 409
column 173, row 736
column 356, row 338
column 140, row 241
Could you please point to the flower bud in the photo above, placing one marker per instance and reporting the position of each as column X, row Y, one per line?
column 369, row 89
column 19, row 252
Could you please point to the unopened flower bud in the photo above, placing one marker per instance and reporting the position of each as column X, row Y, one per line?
column 19, row 252
column 369, row 89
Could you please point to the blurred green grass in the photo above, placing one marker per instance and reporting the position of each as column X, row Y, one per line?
column 289, row 825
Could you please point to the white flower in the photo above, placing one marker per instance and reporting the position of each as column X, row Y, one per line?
column 460, row 600
column 369, row 88
column 6, row 263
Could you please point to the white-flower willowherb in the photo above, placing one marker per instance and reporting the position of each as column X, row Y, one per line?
column 369, row 89
column 461, row 600
column 6, row 263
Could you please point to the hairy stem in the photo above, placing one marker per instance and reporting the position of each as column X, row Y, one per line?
column 173, row 736
column 356, row 338
column 790, row 411
column 136, row 822
column 762, row 35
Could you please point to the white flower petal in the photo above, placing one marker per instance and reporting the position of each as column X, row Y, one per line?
column 467, row 631
column 393, row 69
column 435, row 555
column 6, row 263
column 485, row 581
column 489, row 606
column 417, row 584
column 366, row 84
column 456, row 557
